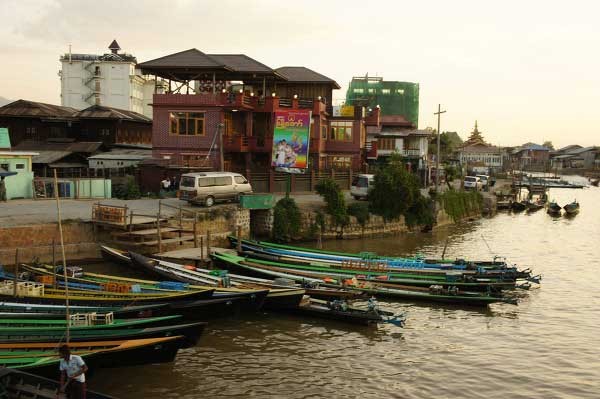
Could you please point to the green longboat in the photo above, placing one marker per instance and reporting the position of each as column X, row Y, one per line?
column 455, row 279
column 191, row 332
column 24, row 325
column 380, row 289
column 42, row 358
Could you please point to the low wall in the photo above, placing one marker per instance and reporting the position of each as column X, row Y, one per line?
column 36, row 242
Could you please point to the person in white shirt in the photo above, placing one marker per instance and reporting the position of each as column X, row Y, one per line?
column 166, row 184
column 72, row 374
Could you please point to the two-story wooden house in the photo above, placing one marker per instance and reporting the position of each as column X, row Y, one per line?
column 219, row 112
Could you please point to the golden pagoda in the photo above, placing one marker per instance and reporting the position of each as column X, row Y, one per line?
column 476, row 138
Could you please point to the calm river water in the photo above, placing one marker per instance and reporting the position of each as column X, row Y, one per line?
column 546, row 347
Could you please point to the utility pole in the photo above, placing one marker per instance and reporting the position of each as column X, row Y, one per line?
column 437, row 158
column 222, row 158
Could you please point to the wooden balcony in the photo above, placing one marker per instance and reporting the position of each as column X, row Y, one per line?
column 260, row 144
column 237, row 143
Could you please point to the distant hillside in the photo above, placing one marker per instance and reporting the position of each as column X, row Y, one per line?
column 4, row 101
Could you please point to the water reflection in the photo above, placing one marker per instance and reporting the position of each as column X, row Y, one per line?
column 544, row 347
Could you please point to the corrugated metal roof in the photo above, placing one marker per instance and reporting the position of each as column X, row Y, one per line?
column 582, row 150
column 50, row 156
column 102, row 112
column 394, row 120
column 83, row 146
column 25, row 108
column 300, row 74
column 124, row 157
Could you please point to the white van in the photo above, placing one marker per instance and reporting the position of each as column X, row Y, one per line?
column 472, row 182
column 209, row 187
column 361, row 185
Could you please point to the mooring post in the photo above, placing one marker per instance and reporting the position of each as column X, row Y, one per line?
column 53, row 254
column 320, row 240
column 16, row 272
column 158, row 232
column 130, row 221
column 207, row 243
column 202, row 248
column 195, row 235
column 239, row 239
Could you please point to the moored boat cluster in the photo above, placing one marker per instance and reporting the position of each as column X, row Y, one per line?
column 113, row 320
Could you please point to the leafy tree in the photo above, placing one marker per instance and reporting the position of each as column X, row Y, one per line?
column 394, row 189
column 451, row 174
column 334, row 200
column 286, row 220
column 548, row 144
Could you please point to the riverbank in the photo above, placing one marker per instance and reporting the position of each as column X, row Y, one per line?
column 30, row 226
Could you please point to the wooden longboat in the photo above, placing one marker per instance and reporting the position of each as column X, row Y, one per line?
column 114, row 255
column 11, row 310
column 104, row 298
column 572, row 208
column 18, row 384
column 554, row 208
column 440, row 294
column 265, row 269
column 508, row 274
column 239, row 283
column 276, row 298
column 329, row 310
column 42, row 358
column 33, row 325
column 332, row 256
column 276, row 269
column 190, row 331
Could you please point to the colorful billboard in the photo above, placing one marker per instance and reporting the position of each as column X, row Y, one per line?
column 290, row 139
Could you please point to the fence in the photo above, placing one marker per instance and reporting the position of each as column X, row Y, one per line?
column 273, row 182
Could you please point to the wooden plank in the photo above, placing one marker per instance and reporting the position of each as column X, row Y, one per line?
column 168, row 240
column 147, row 232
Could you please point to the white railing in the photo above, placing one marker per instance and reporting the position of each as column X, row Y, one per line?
column 411, row 153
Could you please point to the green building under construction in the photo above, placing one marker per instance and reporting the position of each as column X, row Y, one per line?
column 394, row 98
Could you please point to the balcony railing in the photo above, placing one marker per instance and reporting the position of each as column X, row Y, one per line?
column 236, row 143
column 411, row 153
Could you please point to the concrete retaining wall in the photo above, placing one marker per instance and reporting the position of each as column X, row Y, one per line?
column 36, row 242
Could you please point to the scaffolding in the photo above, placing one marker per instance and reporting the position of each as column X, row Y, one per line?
column 393, row 97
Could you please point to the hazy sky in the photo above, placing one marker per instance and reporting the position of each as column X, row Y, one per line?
column 526, row 70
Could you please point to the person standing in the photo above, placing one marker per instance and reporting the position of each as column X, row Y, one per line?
column 166, row 184
column 2, row 189
column 72, row 374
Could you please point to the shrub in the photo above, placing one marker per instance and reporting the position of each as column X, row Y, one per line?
column 334, row 200
column 360, row 210
column 129, row 190
column 286, row 220
column 394, row 190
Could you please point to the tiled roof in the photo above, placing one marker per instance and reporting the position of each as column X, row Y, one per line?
column 192, row 58
column 300, row 74
column 240, row 63
column 26, row 108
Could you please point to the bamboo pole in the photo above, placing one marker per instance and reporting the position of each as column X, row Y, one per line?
column 239, row 239
column 15, row 279
column 64, row 260
column 195, row 235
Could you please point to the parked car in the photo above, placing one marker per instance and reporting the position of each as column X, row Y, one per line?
column 209, row 187
column 485, row 180
column 472, row 183
column 361, row 185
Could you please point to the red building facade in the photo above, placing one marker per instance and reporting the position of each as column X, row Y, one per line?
column 196, row 124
